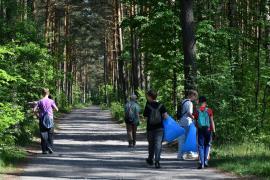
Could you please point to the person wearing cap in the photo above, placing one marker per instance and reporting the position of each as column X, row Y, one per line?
column 132, row 119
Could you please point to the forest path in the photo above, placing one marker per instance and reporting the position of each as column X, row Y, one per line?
column 89, row 145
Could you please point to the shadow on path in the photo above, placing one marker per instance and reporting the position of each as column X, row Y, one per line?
column 88, row 145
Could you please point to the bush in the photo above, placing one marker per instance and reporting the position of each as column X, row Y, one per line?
column 10, row 156
column 10, row 115
column 118, row 111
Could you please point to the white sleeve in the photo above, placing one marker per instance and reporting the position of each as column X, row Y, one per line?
column 190, row 108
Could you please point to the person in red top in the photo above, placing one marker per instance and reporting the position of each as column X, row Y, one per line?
column 206, row 130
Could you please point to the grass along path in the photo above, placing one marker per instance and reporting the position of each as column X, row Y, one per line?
column 246, row 159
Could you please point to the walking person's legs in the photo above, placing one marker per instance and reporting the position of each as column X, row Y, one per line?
column 207, row 147
column 201, row 148
column 151, row 147
column 50, row 140
column 158, row 146
column 134, row 134
column 129, row 134
column 44, row 141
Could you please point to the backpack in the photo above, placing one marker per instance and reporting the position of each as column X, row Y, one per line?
column 180, row 109
column 130, row 114
column 155, row 116
column 47, row 121
column 203, row 118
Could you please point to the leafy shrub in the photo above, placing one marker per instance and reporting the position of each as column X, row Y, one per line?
column 118, row 112
column 10, row 115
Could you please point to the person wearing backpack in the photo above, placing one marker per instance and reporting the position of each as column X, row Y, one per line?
column 185, row 116
column 206, row 131
column 45, row 106
column 155, row 113
column 132, row 119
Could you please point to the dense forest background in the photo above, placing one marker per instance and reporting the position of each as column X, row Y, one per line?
column 101, row 51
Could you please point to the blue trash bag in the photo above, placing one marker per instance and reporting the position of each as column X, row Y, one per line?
column 172, row 129
column 190, row 144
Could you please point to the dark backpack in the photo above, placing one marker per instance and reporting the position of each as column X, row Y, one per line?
column 180, row 109
column 47, row 121
column 155, row 116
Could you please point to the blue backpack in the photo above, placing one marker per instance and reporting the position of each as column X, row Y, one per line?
column 130, row 114
column 47, row 121
column 204, row 119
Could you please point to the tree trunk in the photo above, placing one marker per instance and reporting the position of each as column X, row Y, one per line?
column 121, row 78
column 189, row 44
column 134, row 53
column 66, row 50
column 267, row 34
column 47, row 20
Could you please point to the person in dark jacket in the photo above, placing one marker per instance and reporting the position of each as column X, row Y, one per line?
column 155, row 113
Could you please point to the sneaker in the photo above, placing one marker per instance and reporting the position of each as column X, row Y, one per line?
column 157, row 165
column 206, row 165
column 200, row 166
column 45, row 152
column 50, row 150
column 180, row 157
column 149, row 162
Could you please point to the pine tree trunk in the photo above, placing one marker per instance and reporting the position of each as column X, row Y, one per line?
column 189, row 44
column 134, row 53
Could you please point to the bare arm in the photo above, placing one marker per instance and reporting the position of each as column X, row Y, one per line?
column 35, row 108
column 56, row 108
column 165, row 115
column 191, row 115
column 190, row 111
column 213, row 123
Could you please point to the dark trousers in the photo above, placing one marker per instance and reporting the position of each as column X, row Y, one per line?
column 46, row 136
column 131, row 133
column 204, row 143
column 155, row 138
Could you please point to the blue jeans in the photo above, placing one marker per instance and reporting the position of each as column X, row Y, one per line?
column 204, row 143
column 46, row 136
column 155, row 138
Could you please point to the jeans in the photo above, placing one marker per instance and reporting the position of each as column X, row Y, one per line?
column 204, row 143
column 46, row 136
column 155, row 138
column 181, row 141
column 131, row 133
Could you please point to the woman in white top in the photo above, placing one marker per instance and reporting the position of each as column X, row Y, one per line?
column 186, row 117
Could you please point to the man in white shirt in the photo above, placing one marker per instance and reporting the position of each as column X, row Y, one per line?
column 186, row 117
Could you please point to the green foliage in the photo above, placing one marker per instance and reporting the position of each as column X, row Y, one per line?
column 25, row 68
column 9, row 157
column 117, row 110
column 10, row 115
column 63, row 104
column 106, row 95
column 141, row 98
column 243, row 159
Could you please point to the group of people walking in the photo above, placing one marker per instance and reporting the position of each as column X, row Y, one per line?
column 155, row 113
